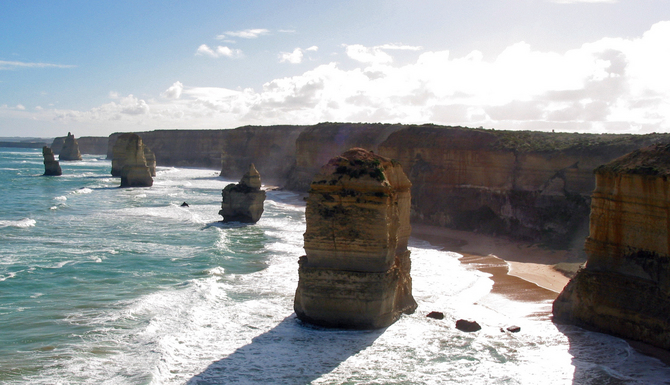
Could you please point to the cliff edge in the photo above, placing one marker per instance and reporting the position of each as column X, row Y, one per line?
column 624, row 288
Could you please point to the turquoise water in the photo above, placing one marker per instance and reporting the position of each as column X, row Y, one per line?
column 124, row 286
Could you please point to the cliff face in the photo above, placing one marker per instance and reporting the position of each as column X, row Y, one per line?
column 356, row 272
column 625, row 287
column 532, row 186
column 317, row 144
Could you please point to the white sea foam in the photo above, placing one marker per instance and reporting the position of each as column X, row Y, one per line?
column 8, row 276
column 23, row 223
column 61, row 198
column 83, row 190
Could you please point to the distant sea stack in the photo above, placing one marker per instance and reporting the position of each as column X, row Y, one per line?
column 129, row 162
column 51, row 166
column 625, row 287
column 356, row 271
column 70, row 150
column 243, row 202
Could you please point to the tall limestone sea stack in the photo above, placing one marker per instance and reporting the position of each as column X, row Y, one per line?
column 625, row 287
column 129, row 162
column 356, row 271
column 243, row 202
column 51, row 166
column 70, row 150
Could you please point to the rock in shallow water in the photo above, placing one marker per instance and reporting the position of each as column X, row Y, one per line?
column 243, row 202
column 467, row 325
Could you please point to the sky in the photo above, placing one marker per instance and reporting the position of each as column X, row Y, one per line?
column 97, row 67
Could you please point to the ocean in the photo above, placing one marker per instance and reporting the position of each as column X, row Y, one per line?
column 103, row 285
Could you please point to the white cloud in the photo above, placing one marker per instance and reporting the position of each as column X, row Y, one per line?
column 244, row 34
column 583, row 1
column 400, row 47
column 372, row 55
column 10, row 65
column 294, row 57
column 220, row 51
column 312, row 48
column 20, row 107
column 619, row 85
column 174, row 92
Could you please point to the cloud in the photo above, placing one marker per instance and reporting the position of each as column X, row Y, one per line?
column 583, row 1
column 174, row 92
column 244, row 34
column 205, row 50
column 294, row 57
column 616, row 85
column 400, row 47
column 10, row 65
column 312, row 48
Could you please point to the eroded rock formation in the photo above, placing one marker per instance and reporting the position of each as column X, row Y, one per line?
column 130, row 163
column 51, row 166
column 243, row 202
column 125, row 151
column 624, row 288
column 356, row 271
column 70, row 150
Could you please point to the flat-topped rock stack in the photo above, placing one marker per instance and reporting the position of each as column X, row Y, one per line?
column 129, row 162
column 624, row 288
column 70, row 150
column 51, row 166
column 243, row 202
column 356, row 271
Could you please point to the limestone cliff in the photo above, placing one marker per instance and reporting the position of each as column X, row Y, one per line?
column 356, row 271
column 130, row 163
column 317, row 144
column 70, row 150
column 625, row 287
column 243, row 202
column 51, row 166
column 528, row 185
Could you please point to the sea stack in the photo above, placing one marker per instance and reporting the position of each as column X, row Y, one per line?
column 624, row 288
column 129, row 162
column 51, row 166
column 243, row 202
column 356, row 271
column 124, row 148
column 70, row 150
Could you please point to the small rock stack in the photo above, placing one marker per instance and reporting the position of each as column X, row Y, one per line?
column 51, row 166
column 70, row 150
column 129, row 162
column 243, row 202
column 356, row 273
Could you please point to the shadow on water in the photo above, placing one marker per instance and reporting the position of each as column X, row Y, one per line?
column 601, row 359
column 290, row 353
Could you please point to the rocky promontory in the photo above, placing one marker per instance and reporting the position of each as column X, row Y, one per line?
column 129, row 162
column 624, row 288
column 356, row 271
column 70, row 150
column 243, row 202
column 51, row 166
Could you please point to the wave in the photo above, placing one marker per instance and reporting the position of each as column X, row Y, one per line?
column 22, row 223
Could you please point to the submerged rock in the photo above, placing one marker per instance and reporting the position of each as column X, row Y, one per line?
column 70, row 150
column 356, row 273
column 243, row 202
column 51, row 166
column 129, row 162
column 435, row 315
column 624, row 289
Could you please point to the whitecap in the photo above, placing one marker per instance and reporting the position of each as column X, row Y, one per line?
column 22, row 224
column 8, row 276
column 60, row 198
column 83, row 190
column 217, row 271
column 53, row 208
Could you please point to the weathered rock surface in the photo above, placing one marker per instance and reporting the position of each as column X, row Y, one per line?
column 243, row 202
column 70, row 150
column 125, row 151
column 51, row 166
column 129, row 162
column 356, row 272
column 467, row 326
column 529, row 185
column 96, row 145
column 624, row 288
column 435, row 315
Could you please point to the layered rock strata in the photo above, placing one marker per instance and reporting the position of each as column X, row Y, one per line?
column 51, row 166
column 624, row 288
column 124, row 150
column 356, row 271
column 243, row 202
column 70, row 150
column 130, row 163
